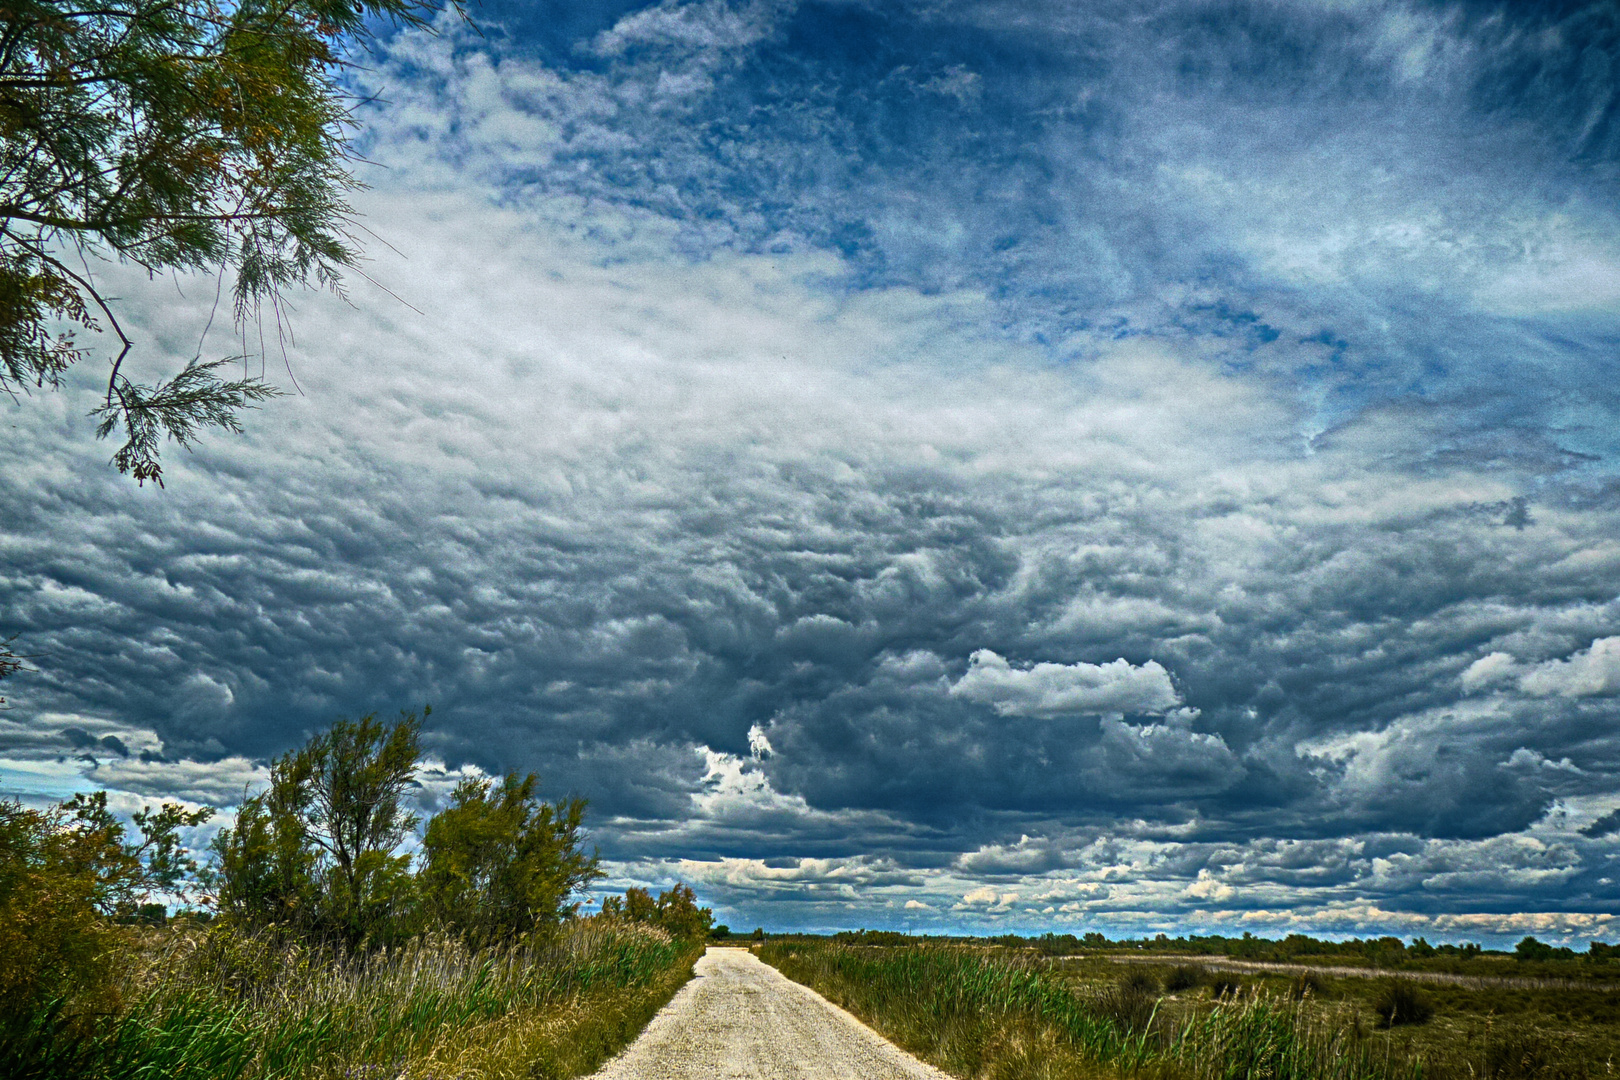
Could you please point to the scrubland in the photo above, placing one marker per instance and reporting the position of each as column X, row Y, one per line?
column 194, row 1004
column 991, row 1012
column 320, row 947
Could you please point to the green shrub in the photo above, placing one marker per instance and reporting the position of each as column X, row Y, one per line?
column 67, row 875
column 675, row 911
column 1185, row 977
column 1400, row 1002
column 500, row 863
column 317, row 851
column 1307, row 984
column 1131, row 1002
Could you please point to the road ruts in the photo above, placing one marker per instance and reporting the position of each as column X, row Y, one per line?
column 739, row 1018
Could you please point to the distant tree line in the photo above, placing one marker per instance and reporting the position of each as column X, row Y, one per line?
column 1380, row 951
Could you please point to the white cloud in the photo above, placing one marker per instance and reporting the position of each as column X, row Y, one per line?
column 842, row 876
column 219, row 783
column 1049, row 690
column 703, row 25
column 1488, row 670
column 1031, row 855
column 1593, row 671
column 1208, row 887
column 759, row 747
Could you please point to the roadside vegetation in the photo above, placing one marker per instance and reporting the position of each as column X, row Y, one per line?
column 1529, row 959
column 986, row 1011
column 312, row 945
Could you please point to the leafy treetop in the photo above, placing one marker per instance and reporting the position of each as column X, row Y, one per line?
column 194, row 135
column 66, row 874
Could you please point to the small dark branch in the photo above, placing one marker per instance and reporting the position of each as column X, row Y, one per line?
column 112, row 320
column 10, row 662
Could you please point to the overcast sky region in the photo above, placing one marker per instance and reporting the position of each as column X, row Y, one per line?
column 975, row 465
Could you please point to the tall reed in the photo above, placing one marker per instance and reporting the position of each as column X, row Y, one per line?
column 979, row 1013
column 230, row 1007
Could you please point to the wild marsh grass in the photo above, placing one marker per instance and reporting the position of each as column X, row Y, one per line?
column 988, row 1014
column 224, row 1006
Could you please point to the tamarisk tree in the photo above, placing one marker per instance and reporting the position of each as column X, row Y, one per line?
column 319, row 851
column 193, row 135
column 500, row 863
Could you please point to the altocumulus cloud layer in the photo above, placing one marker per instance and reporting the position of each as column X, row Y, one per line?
column 1126, row 466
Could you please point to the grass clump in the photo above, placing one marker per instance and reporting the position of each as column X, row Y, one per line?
column 1307, row 984
column 1185, row 977
column 1131, row 1002
column 1402, row 1003
column 1532, row 1055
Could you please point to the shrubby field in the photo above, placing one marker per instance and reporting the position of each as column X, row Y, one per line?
column 319, row 949
column 212, row 1004
column 987, row 1010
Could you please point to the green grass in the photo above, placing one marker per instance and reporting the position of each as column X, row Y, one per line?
column 221, row 1006
column 1483, row 1031
column 990, row 1014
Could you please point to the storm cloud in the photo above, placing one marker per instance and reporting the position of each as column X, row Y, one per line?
column 1137, row 466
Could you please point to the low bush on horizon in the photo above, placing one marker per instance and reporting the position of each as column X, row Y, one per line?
column 1402, row 1002
column 1532, row 958
column 1185, row 977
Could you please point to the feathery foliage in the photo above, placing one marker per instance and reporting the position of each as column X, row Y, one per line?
column 500, row 863
column 674, row 911
column 197, row 135
column 318, row 850
column 65, row 875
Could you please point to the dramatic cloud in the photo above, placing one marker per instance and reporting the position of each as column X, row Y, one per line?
column 1592, row 671
column 1134, row 465
column 1059, row 689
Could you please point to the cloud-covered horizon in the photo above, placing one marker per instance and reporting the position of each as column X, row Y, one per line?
column 983, row 466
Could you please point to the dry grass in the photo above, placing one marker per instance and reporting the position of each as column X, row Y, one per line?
column 222, row 1006
column 985, row 1014
column 1475, row 1030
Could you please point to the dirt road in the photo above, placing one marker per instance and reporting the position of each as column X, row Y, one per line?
column 739, row 1018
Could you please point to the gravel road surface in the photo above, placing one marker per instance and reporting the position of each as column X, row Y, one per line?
column 739, row 1018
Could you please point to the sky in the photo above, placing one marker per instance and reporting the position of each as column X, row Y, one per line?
column 950, row 467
